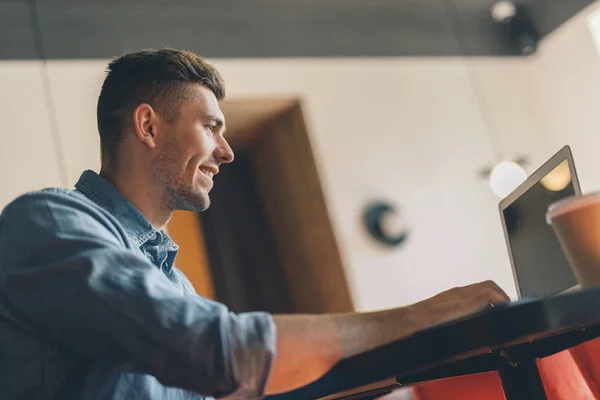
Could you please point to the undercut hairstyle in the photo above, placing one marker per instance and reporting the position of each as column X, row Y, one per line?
column 160, row 78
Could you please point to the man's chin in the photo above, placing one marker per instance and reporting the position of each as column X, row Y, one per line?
column 201, row 204
column 193, row 203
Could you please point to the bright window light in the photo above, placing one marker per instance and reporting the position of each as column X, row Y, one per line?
column 594, row 25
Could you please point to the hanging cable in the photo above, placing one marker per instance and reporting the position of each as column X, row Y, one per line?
column 474, row 78
column 47, row 90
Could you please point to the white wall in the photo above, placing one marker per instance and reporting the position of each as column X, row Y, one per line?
column 405, row 130
column 75, row 89
column 28, row 159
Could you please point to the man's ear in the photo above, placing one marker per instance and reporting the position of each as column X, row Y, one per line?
column 145, row 124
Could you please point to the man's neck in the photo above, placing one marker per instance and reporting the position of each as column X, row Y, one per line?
column 141, row 193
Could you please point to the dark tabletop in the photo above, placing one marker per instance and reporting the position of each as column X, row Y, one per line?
column 530, row 328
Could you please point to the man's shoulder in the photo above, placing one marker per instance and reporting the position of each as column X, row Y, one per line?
column 55, row 223
column 57, row 209
column 49, row 198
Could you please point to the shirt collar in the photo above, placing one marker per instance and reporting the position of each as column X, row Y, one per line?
column 103, row 193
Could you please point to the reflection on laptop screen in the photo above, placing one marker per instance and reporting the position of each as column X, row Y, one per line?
column 540, row 265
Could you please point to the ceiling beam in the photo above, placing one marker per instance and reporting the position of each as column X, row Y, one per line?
column 76, row 29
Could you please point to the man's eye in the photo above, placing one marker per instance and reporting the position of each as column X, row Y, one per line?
column 211, row 127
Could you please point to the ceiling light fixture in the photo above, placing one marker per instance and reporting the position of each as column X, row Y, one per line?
column 517, row 27
column 505, row 177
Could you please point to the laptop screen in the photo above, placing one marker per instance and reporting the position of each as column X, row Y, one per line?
column 540, row 265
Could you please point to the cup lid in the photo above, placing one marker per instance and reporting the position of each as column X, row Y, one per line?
column 569, row 204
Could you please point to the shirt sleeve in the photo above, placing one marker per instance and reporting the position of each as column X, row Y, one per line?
column 67, row 273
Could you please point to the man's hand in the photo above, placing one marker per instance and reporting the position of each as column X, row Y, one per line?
column 460, row 301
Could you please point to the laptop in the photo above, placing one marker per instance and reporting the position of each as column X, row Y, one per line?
column 539, row 266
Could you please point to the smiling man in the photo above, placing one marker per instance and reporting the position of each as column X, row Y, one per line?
column 91, row 305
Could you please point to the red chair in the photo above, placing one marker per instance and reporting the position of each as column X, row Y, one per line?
column 573, row 374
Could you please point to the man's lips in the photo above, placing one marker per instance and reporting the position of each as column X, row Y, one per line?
column 209, row 171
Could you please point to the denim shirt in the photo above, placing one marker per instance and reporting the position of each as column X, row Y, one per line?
column 91, row 307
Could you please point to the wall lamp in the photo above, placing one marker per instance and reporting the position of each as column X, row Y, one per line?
column 382, row 221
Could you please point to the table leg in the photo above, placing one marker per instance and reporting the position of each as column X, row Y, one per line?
column 521, row 381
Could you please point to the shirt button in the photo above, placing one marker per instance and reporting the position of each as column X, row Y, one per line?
column 156, row 238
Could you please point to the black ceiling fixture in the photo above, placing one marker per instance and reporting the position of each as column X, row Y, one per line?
column 516, row 26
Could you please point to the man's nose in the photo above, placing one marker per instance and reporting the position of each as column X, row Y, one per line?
column 224, row 153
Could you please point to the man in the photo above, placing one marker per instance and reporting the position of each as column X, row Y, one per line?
column 91, row 306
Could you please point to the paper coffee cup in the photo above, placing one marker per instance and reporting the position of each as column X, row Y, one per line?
column 576, row 223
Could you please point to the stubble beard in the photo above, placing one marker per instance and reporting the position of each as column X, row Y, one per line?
column 184, row 198
column 177, row 195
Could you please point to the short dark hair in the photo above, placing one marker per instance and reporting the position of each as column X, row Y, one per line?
column 156, row 77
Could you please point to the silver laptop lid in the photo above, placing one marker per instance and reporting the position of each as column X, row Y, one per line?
column 540, row 268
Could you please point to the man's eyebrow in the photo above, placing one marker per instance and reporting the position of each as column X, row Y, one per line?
column 219, row 121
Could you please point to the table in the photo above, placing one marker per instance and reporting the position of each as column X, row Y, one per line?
column 507, row 338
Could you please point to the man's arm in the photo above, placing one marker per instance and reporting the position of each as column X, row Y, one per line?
column 310, row 345
column 67, row 275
